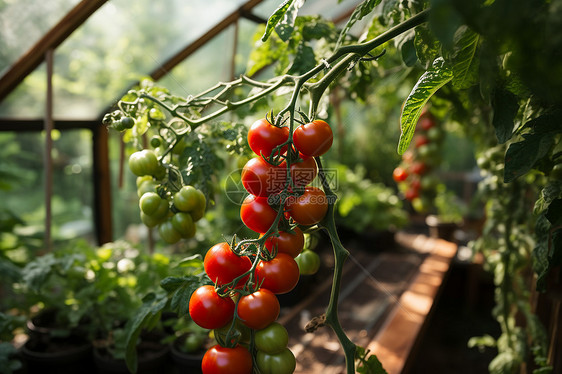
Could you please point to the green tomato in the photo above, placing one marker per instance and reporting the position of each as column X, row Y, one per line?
column 168, row 233
column 151, row 221
column 279, row 363
column 273, row 339
column 155, row 141
column 127, row 122
column 146, row 186
column 310, row 241
column 193, row 343
column 190, row 199
column 183, row 223
column 153, row 205
column 144, row 162
column 308, row 262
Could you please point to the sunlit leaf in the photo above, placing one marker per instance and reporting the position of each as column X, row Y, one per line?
column 360, row 11
column 433, row 79
column 275, row 18
column 464, row 59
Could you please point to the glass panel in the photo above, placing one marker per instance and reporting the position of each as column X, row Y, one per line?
column 23, row 23
column 22, row 186
column 117, row 46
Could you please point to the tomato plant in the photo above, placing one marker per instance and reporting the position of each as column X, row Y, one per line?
column 308, row 208
column 260, row 178
column 314, row 138
column 258, row 309
column 290, row 243
column 279, row 275
column 272, row 339
column 257, row 214
column 210, row 310
column 263, row 137
column 218, row 360
column 222, row 265
column 283, row 362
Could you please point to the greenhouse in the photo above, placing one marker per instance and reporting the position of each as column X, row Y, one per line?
column 268, row 186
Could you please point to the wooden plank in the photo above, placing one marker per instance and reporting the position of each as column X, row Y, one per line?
column 51, row 40
column 396, row 340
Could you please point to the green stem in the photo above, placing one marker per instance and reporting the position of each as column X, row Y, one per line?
column 340, row 254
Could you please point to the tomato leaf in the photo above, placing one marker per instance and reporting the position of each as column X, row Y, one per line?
column 360, row 11
column 153, row 305
column 464, row 59
column 433, row 79
column 444, row 20
column 505, row 109
column 285, row 28
column 427, row 47
column 522, row 156
column 367, row 364
column 275, row 18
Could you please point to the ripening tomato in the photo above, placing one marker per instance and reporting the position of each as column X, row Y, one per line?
column 309, row 208
column 272, row 339
column 263, row 137
column 183, row 223
column 257, row 310
column 152, row 204
column 418, row 168
column 399, row 174
column 304, row 172
column 314, row 138
column 426, row 121
column 208, row 309
column 144, row 162
column 279, row 363
column 279, row 275
column 222, row 265
column 290, row 243
column 257, row 214
column 189, row 199
column 220, row 360
column 168, row 233
column 308, row 262
column 421, row 140
column 411, row 194
column 260, row 178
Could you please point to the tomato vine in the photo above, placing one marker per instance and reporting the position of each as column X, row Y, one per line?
column 454, row 72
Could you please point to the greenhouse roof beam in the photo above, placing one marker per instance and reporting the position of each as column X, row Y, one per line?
column 52, row 39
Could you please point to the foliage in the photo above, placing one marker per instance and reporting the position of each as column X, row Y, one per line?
column 365, row 205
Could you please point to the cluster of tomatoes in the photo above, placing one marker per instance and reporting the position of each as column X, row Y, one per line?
column 174, row 214
column 247, row 276
column 413, row 175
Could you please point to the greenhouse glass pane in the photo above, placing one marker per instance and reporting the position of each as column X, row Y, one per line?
column 118, row 45
column 23, row 23
column 22, row 187
column 329, row 9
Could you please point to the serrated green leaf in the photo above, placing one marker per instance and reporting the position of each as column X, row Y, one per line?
column 285, row 28
column 408, row 51
column 522, row 156
column 152, row 304
column 180, row 299
column 505, row 106
column 464, row 60
column 192, row 261
column 275, row 18
column 432, row 80
column 427, row 46
column 363, row 9
column 304, row 60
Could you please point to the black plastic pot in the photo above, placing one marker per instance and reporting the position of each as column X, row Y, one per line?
column 57, row 356
column 153, row 358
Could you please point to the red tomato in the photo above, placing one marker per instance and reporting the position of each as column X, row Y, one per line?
column 309, row 208
column 411, row 194
column 219, row 360
column 421, row 140
column 418, row 168
column 399, row 174
column 208, row 310
column 279, row 275
column 256, row 213
column 263, row 137
column 286, row 242
column 314, row 138
column 259, row 309
column 302, row 173
column 222, row 265
column 260, row 178
column 415, row 184
column 426, row 121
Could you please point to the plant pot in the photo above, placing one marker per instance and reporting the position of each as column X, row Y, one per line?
column 441, row 230
column 152, row 358
column 186, row 362
column 57, row 355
